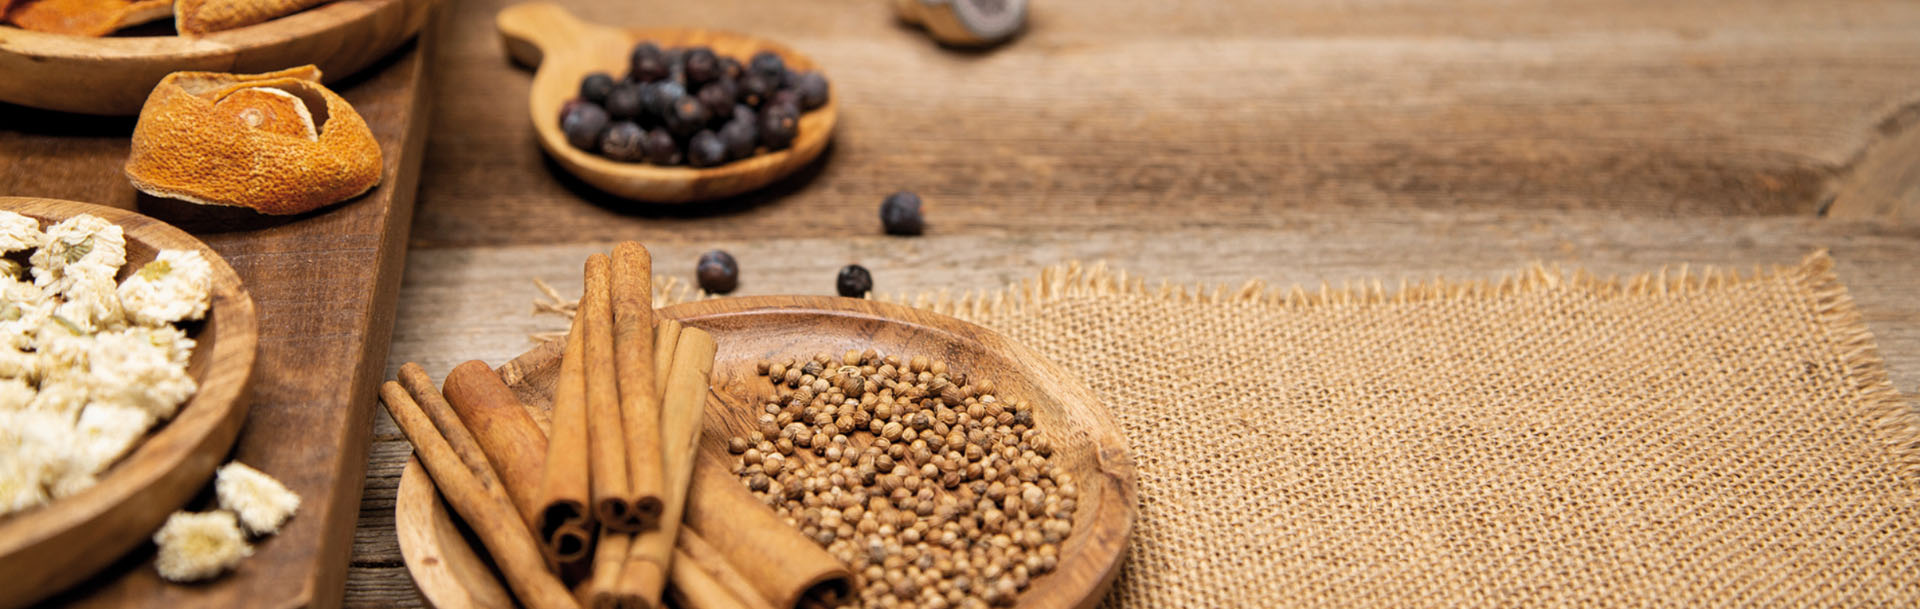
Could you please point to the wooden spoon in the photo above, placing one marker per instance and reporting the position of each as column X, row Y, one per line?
column 565, row 50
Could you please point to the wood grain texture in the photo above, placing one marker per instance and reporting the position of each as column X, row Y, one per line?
column 475, row 302
column 1885, row 183
column 1234, row 113
column 565, row 49
column 1087, row 438
column 113, row 75
column 48, row 549
column 324, row 285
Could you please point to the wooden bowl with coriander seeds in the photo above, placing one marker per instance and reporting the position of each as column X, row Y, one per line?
column 565, row 49
column 46, row 549
column 113, row 75
column 1087, row 443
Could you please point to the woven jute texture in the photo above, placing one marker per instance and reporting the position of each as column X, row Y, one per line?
column 1689, row 439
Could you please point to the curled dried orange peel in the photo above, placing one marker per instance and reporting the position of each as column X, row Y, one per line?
column 83, row 17
column 197, row 17
column 277, row 143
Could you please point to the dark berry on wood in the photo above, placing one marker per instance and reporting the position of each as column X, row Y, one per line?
column 687, row 116
column 719, row 97
column 583, row 123
column 595, row 86
column 624, row 142
column 778, row 126
column 624, row 102
column 768, row 64
column 740, row 136
column 900, row 214
column 647, row 63
column 718, row 273
column 813, row 90
column 701, row 65
column 706, row 150
column 854, row 281
column 661, row 149
column 755, row 87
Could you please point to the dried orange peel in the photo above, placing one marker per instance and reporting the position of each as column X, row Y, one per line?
column 278, row 143
column 198, row 17
column 84, row 17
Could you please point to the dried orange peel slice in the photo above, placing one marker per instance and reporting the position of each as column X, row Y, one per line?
column 84, row 17
column 198, row 17
column 278, row 143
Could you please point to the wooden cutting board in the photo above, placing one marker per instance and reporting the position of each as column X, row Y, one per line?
column 324, row 285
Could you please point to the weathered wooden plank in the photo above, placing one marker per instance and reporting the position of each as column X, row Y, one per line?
column 1231, row 113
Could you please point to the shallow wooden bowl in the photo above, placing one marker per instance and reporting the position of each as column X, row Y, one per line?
column 114, row 74
column 451, row 576
column 566, row 49
column 46, row 549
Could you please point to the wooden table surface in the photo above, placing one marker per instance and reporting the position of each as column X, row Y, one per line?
column 1286, row 140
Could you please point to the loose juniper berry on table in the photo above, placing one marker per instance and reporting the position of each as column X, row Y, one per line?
column 718, row 273
column 900, row 214
column 854, row 281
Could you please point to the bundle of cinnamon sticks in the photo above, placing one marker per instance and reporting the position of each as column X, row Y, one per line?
column 585, row 507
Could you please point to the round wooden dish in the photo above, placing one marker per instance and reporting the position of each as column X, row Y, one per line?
column 114, row 74
column 566, row 49
column 46, row 549
column 452, row 576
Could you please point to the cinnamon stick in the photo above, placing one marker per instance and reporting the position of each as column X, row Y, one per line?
column 602, row 589
column 645, row 573
column 723, row 512
column 564, row 481
column 634, row 363
column 704, row 579
column 514, row 445
column 606, row 432
column 477, row 495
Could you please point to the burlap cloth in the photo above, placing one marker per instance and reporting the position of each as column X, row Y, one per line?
column 1678, row 439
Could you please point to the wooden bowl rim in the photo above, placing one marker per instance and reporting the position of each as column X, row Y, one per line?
column 1114, row 517
column 220, row 393
column 815, row 129
column 334, row 14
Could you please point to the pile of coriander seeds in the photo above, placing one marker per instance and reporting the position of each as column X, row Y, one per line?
column 935, row 492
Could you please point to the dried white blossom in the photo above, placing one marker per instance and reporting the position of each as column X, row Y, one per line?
column 18, row 232
column 261, row 501
column 199, row 546
column 86, row 241
column 127, row 368
column 176, row 286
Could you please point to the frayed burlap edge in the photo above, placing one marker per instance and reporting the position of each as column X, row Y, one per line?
column 1832, row 309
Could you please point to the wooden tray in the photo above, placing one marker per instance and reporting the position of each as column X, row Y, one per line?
column 50, row 548
column 451, row 576
column 324, row 285
column 566, row 49
column 114, row 74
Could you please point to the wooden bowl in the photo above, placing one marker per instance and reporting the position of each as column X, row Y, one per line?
column 114, row 74
column 47, row 549
column 1089, row 445
column 566, row 49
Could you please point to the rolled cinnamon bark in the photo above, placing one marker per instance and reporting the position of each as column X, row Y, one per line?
column 564, row 482
column 726, row 515
column 634, row 362
column 645, row 573
column 606, row 432
column 703, row 579
column 478, row 496
column 602, row 589
column 506, row 432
